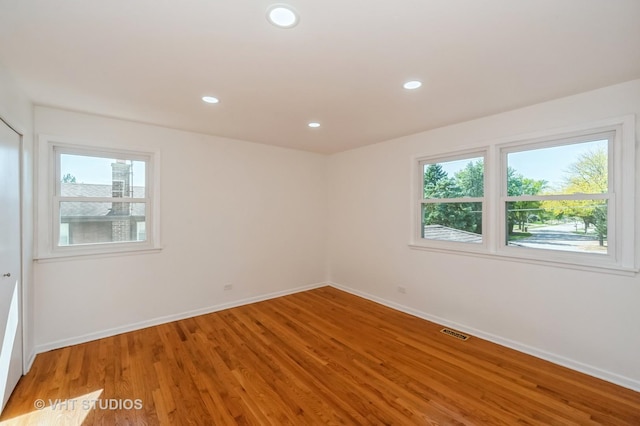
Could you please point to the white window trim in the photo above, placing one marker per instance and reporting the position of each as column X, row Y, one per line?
column 587, row 259
column 47, row 200
column 622, row 230
column 416, row 206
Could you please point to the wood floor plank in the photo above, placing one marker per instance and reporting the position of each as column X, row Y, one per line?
column 318, row 357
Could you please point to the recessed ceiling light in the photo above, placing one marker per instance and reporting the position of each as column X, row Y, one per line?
column 413, row 84
column 313, row 124
column 282, row 16
column 210, row 99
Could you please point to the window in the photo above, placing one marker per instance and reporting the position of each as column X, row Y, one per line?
column 99, row 200
column 452, row 197
column 556, row 195
column 563, row 198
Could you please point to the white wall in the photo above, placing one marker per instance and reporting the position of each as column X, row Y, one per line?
column 585, row 320
column 17, row 110
column 232, row 212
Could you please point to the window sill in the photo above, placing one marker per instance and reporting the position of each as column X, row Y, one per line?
column 606, row 269
column 95, row 254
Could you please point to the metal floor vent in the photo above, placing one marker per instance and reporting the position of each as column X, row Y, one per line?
column 454, row 333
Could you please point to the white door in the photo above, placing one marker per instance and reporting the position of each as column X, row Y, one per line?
column 10, row 253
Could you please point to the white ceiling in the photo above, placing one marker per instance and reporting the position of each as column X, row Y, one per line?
column 343, row 65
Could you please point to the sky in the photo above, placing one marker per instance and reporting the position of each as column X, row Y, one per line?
column 548, row 164
column 551, row 164
column 96, row 170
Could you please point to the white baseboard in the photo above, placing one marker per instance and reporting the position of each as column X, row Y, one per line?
column 166, row 319
column 521, row 347
column 28, row 363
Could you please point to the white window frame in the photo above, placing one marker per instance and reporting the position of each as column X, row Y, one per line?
column 608, row 259
column 621, row 238
column 48, row 200
column 419, row 194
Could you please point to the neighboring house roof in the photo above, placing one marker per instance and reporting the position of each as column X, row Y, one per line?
column 93, row 190
column 439, row 232
column 91, row 209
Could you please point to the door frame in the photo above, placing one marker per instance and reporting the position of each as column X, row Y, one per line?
column 26, row 364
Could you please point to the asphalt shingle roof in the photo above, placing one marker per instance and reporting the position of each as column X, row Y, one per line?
column 91, row 209
column 440, row 232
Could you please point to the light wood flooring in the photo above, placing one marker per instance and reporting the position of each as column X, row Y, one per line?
column 317, row 357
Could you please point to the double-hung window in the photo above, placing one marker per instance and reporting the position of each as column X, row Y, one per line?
column 100, row 200
column 557, row 195
column 565, row 197
column 452, row 198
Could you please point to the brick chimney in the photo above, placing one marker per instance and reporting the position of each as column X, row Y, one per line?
column 121, row 188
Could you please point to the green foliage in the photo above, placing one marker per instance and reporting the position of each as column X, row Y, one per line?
column 519, row 236
column 469, row 182
column 68, row 178
column 600, row 219
column 438, row 184
column 453, row 215
column 471, row 179
column 433, row 176
column 520, row 211
column 588, row 175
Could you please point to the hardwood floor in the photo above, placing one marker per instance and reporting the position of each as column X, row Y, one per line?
column 318, row 357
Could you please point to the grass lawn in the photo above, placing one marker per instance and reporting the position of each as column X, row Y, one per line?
column 519, row 235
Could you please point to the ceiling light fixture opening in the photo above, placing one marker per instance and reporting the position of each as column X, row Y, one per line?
column 411, row 85
column 210, row 99
column 282, row 16
column 314, row 124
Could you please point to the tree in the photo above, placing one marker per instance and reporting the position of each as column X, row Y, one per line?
column 587, row 175
column 519, row 211
column 68, row 178
column 438, row 184
column 470, row 180
column 600, row 216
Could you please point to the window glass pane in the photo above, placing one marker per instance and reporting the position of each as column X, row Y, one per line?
column 85, row 176
column 454, row 179
column 567, row 225
column 142, row 231
column 459, row 222
column 566, row 169
column 90, row 223
column 64, row 234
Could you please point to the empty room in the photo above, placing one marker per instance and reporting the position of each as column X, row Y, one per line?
column 217, row 212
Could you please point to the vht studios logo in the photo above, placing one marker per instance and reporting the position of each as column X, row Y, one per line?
column 90, row 404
